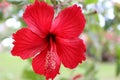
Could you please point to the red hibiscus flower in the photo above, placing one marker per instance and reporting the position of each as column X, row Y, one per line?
column 50, row 41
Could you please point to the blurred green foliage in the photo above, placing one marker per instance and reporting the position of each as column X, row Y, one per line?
column 118, row 59
column 90, row 1
column 28, row 74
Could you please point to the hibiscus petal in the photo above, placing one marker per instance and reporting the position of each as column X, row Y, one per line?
column 47, row 64
column 38, row 17
column 27, row 43
column 71, row 52
column 69, row 23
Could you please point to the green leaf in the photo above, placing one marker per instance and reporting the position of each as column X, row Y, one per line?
column 48, row 1
column 108, row 24
column 18, row 3
column 31, row 1
column 90, row 1
column 1, row 15
column 1, row 0
column 117, row 48
column 15, row 2
column 118, row 68
column 117, row 51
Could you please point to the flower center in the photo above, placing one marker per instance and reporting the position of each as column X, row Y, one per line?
column 51, row 36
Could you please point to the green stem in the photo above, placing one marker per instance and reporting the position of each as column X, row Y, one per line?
column 54, row 2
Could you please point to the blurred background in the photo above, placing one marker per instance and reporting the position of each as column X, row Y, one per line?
column 101, row 36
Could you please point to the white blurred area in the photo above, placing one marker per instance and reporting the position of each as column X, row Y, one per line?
column 117, row 1
column 8, row 26
column 4, row 27
column 12, row 22
column 7, row 41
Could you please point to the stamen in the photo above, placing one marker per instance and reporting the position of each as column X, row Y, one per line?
column 51, row 57
column 50, row 61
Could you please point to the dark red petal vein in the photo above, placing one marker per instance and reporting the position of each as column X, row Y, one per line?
column 71, row 52
column 69, row 23
column 27, row 44
column 38, row 17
